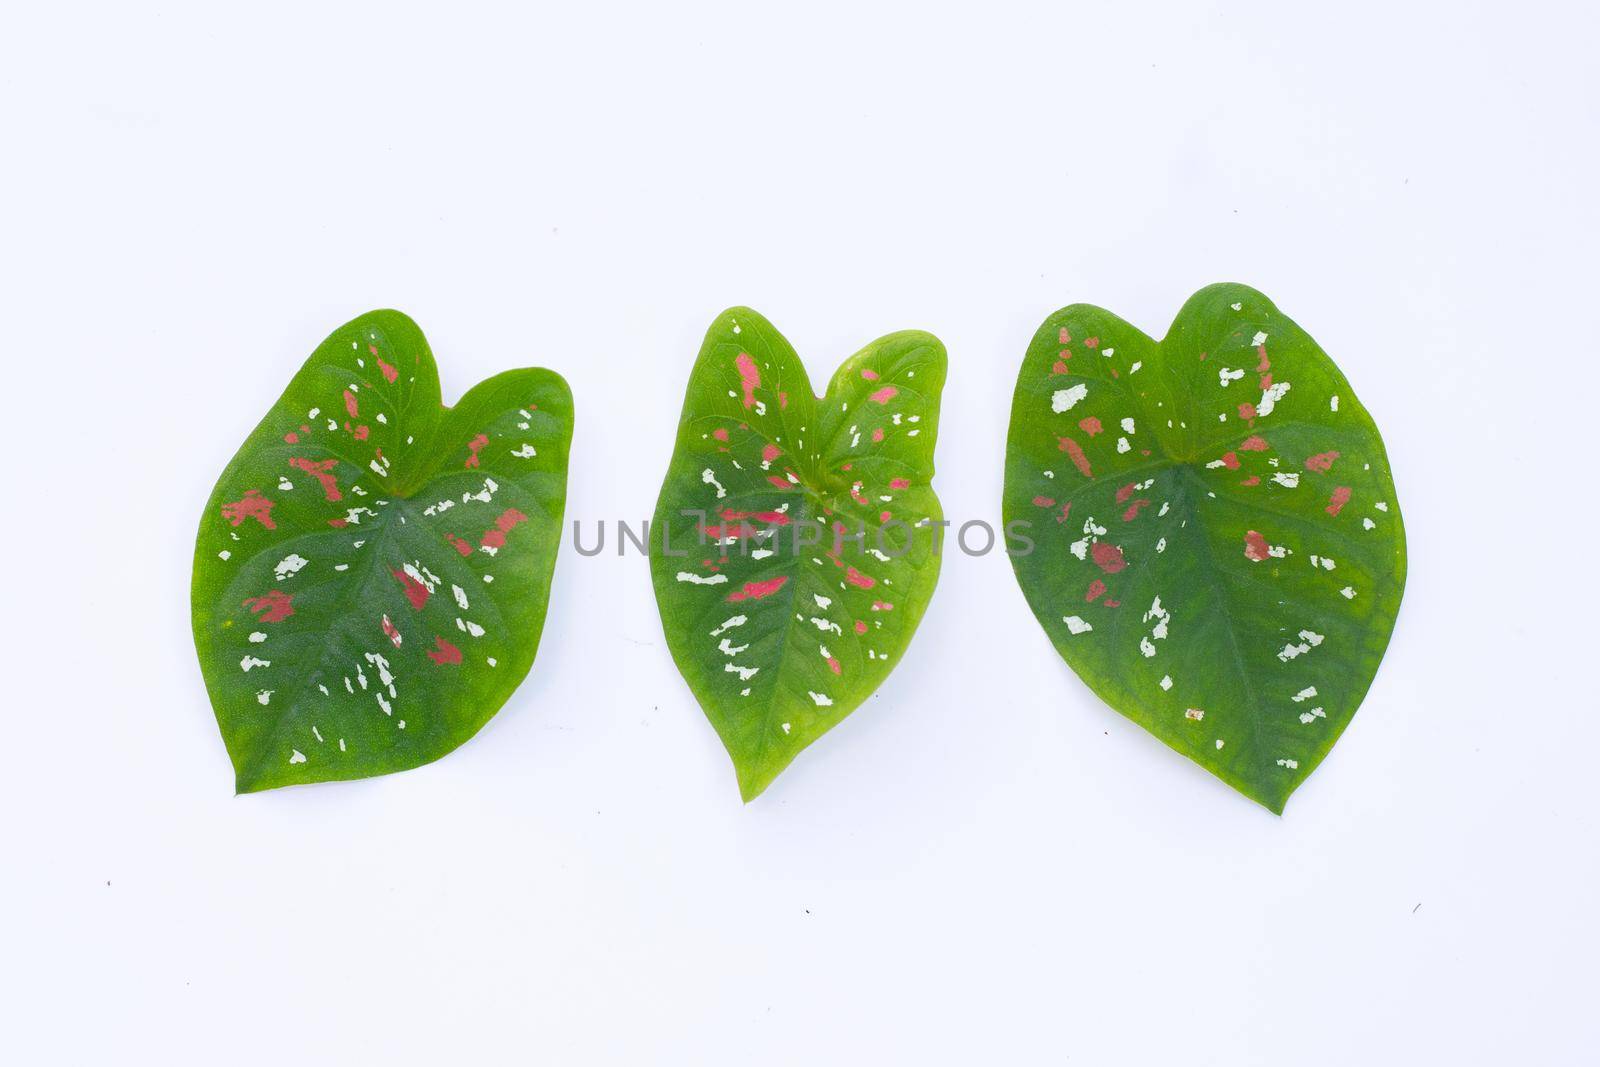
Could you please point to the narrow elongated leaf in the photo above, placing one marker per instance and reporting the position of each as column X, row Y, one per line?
column 372, row 570
column 795, row 543
column 1218, row 549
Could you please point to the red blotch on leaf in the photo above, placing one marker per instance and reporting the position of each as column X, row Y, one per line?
column 1321, row 462
column 1107, row 557
column 444, row 652
column 1096, row 590
column 749, row 377
column 272, row 606
column 1074, row 451
column 1256, row 548
column 1090, row 425
column 320, row 470
column 859, row 580
column 495, row 536
column 250, row 506
column 1340, row 497
column 474, row 446
column 416, row 592
column 1253, row 443
column 757, row 590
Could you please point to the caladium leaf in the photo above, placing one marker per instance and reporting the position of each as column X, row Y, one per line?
column 796, row 541
column 372, row 570
column 1217, row 549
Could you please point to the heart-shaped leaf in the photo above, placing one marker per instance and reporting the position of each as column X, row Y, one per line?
column 1217, row 548
column 372, row 571
column 796, row 540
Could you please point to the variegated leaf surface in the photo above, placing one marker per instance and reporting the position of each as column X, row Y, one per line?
column 372, row 570
column 1218, row 550
column 795, row 544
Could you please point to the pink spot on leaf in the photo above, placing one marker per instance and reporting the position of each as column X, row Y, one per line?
column 271, row 606
column 416, row 592
column 1074, row 451
column 1107, row 557
column 757, row 590
column 250, row 506
column 859, row 580
column 444, row 652
column 495, row 536
column 320, row 469
column 749, row 377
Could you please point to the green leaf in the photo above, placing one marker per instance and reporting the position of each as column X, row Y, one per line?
column 1218, row 549
column 795, row 544
column 372, row 570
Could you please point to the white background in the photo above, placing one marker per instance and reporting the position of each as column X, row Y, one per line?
column 985, row 863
